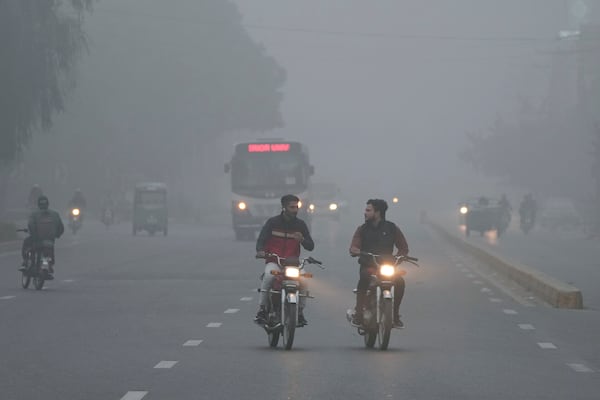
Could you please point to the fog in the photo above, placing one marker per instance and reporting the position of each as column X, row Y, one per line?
column 383, row 94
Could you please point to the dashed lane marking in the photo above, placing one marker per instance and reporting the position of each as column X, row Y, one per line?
column 192, row 343
column 246, row 299
column 69, row 280
column 486, row 290
column 165, row 364
column 580, row 368
column 134, row 395
column 478, row 282
column 509, row 312
column 495, row 300
column 470, row 276
column 231, row 310
column 214, row 325
column 527, row 327
column 547, row 345
column 7, row 297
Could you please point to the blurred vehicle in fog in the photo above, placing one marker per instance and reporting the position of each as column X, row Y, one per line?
column 326, row 200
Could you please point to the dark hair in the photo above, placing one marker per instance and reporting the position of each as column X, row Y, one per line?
column 287, row 199
column 379, row 205
column 43, row 202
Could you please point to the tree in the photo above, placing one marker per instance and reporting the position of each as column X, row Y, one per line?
column 40, row 43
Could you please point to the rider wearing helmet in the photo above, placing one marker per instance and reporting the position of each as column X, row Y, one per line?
column 282, row 235
column 377, row 236
column 43, row 225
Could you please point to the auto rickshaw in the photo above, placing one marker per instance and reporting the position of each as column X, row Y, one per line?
column 486, row 215
column 150, row 208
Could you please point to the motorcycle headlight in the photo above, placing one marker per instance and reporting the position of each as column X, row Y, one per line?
column 395, row 200
column 333, row 206
column 463, row 210
column 299, row 204
column 242, row 206
column 75, row 211
column 387, row 270
column 292, row 272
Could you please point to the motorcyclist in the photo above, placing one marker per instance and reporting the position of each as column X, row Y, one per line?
column 78, row 200
column 282, row 234
column 377, row 236
column 528, row 206
column 34, row 194
column 108, row 204
column 43, row 225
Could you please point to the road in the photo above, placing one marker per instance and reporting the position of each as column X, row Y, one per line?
column 171, row 318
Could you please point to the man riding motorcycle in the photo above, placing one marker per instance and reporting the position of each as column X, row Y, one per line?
column 282, row 235
column 377, row 236
column 43, row 225
column 528, row 208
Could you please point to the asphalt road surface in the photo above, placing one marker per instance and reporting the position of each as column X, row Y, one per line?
column 171, row 318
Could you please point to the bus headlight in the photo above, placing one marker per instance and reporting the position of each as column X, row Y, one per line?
column 395, row 200
column 292, row 272
column 242, row 206
column 333, row 206
column 75, row 211
column 311, row 207
column 387, row 270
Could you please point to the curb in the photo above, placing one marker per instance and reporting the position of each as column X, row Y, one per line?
column 551, row 290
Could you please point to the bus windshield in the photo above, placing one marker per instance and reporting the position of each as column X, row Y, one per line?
column 277, row 172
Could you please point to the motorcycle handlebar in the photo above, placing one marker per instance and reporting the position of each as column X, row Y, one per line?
column 309, row 260
column 412, row 260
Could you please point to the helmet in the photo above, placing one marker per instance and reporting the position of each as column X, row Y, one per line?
column 43, row 202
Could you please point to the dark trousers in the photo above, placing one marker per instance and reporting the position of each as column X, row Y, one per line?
column 363, row 284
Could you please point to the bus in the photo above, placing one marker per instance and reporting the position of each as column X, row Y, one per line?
column 261, row 172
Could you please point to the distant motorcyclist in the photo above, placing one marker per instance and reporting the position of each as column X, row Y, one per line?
column 377, row 236
column 78, row 200
column 43, row 225
column 34, row 194
column 505, row 204
column 282, row 235
column 108, row 207
column 528, row 208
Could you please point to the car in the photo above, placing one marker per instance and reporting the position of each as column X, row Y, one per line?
column 326, row 200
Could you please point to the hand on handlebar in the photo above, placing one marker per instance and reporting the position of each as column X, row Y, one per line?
column 261, row 254
column 355, row 251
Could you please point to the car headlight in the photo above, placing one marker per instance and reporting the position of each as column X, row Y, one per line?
column 387, row 270
column 463, row 210
column 75, row 211
column 311, row 207
column 333, row 206
column 395, row 200
column 242, row 206
column 292, row 272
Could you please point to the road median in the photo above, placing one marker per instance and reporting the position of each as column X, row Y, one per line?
column 547, row 288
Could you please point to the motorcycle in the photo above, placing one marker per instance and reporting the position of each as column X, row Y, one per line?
column 107, row 217
column 75, row 219
column 37, row 264
column 378, row 311
column 284, row 298
column 527, row 222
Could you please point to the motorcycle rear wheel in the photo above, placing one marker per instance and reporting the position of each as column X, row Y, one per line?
column 25, row 280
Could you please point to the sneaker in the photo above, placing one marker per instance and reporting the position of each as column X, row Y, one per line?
column 261, row 316
column 398, row 322
column 301, row 320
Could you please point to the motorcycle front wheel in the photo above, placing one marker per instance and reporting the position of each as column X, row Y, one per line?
column 38, row 281
column 386, row 323
column 25, row 280
column 289, row 325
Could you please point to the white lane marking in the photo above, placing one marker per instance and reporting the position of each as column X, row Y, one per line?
column 470, row 276
column 547, row 345
column 165, row 364
column 459, row 265
column 465, row 270
column 134, row 395
column 246, row 299
column 7, row 297
column 486, row 290
column 580, row 368
column 231, row 310
column 526, row 327
column 495, row 300
column 214, row 325
column 510, row 312
column 69, row 280
column 478, row 282
column 192, row 343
